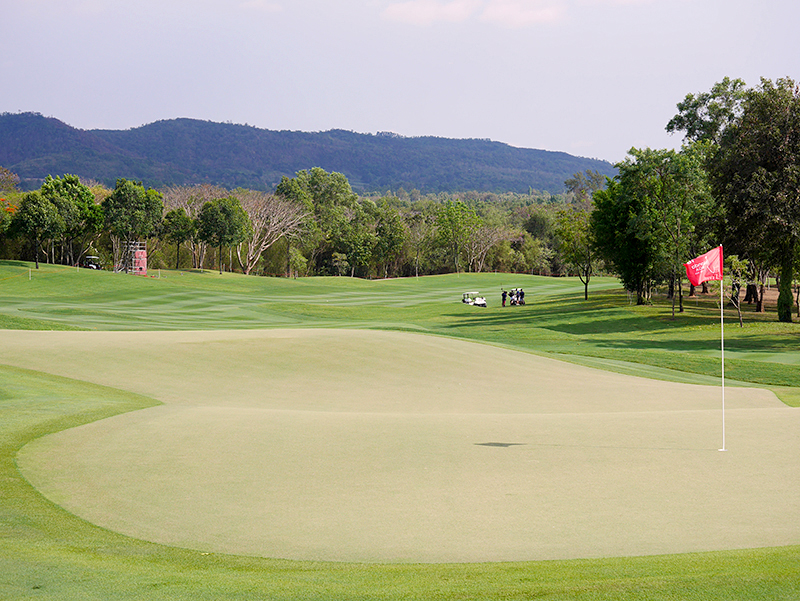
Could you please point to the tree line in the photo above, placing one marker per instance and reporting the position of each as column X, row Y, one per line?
column 312, row 224
column 735, row 181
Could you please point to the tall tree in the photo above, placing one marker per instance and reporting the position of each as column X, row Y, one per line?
column 82, row 216
column 9, row 181
column 672, row 191
column 584, row 185
column 756, row 174
column 331, row 202
column 177, row 228
column 626, row 237
column 131, row 213
column 391, row 234
column 36, row 219
column 191, row 199
column 707, row 115
column 272, row 217
column 456, row 224
column 574, row 234
column 223, row 222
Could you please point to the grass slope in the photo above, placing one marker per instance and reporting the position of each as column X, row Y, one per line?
column 45, row 553
column 607, row 331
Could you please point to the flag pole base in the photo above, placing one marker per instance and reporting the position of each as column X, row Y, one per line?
column 722, row 449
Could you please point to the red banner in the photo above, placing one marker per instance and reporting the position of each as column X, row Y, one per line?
column 705, row 267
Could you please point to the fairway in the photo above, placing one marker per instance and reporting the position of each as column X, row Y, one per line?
column 369, row 446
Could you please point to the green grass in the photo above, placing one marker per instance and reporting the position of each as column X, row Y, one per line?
column 46, row 553
column 605, row 331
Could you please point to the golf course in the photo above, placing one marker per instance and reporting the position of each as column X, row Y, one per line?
column 196, row 435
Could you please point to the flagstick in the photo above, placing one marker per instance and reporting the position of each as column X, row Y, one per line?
column 722, row 352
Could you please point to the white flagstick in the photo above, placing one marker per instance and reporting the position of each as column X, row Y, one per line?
column 722, row 352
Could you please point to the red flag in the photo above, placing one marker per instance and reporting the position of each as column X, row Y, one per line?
column 705, row 267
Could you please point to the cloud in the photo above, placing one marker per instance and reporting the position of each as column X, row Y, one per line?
column 426, row 12
column 507, row 13
column 521, row 13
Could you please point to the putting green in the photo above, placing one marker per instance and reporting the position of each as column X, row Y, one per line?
column 354, row 445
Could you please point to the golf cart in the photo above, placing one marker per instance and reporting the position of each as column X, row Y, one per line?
column 474, row 299
column 91, row 262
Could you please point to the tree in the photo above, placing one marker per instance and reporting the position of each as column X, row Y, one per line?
column 756, row 174
column 420, row 237
column 223, row 222
column 131, row 213
column 707, row 115
column 672, row 192
column 574, row 233
column 82, row 216
column 191, row 199
column 456, row 223
column 177, row 228
column 625, row 236
column 331, row 203
column 391, row 234
column 480, row 242
column 272, row 217
column 9, row 181
column 36, row 219
column 583, row 185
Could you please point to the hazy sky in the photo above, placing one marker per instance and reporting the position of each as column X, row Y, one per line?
column 588, row 77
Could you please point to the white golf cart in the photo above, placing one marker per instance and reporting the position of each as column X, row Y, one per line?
column 474, row 299
column 91, row 262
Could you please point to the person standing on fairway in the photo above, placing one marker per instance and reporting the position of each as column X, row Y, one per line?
column 504, row 297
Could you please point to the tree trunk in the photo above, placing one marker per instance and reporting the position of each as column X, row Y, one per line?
column 797, row 300
column 785, row 289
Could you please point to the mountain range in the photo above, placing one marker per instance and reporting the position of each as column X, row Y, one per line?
column 189, row 151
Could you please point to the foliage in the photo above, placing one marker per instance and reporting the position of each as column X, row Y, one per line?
column 9, row 181
column 456, row 224
column 584, row 185
column 707, row 115
column 625, row 236
column 333, row 204
column 223, row 222
column 756, row 174
column 178, row 228
column 272, row 217
column 37, row 219
column 576, row 245
column 82, row 216
column 132, row 212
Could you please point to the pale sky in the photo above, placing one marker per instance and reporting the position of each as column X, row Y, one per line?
column 588, row 77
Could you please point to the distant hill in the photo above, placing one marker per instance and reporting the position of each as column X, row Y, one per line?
column 189, row 151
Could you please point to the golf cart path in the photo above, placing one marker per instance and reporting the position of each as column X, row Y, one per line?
column 356, row 445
